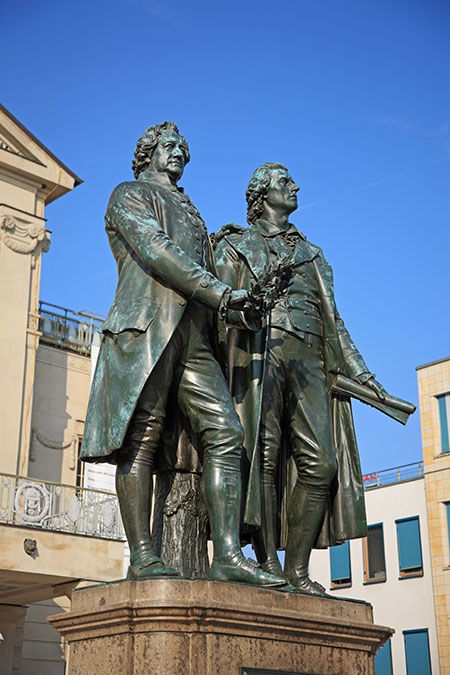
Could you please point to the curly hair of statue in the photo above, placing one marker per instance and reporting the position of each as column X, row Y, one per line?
column 147, row 143
column 257, row 189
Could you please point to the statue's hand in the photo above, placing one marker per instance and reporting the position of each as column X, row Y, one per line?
column 377, row 388
column 243, row 301
column 238, row 299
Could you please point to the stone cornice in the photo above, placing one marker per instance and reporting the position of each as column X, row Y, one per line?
column 27, row 213
column 210, row 607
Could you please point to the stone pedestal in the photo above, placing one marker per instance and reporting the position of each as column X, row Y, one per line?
column 179, row 627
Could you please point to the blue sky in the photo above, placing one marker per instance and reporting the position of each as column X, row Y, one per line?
column 353, row 96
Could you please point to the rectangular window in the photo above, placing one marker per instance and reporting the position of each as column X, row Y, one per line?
column 447, row 508
column 79, row 479
column 341, row 574
column 417, row 651
column 409, row 547
column 383, row 660
column 444, row 418
column 373, row 554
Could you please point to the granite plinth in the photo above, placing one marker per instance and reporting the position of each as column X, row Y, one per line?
column 178, row 627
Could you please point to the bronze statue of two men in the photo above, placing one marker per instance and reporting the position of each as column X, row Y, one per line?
column 275, row 433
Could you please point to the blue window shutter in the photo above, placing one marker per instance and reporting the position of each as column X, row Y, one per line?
column 417, row 651
column 340, row 562
column 383, row 660
column 408, row 541
column 447, row 506
column 443, row 420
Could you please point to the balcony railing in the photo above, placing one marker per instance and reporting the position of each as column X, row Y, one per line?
column 27, row 502
column 64, row 328
column 398, row 474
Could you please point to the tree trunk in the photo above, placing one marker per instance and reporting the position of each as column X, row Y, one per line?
column 180, row 524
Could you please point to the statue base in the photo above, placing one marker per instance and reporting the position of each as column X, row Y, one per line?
column 177, row 627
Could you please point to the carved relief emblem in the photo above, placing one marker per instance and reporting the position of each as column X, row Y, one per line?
column 32, row 502
column 22, row 236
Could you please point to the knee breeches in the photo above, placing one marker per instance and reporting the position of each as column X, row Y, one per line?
column 188, row 371
column 296, row 403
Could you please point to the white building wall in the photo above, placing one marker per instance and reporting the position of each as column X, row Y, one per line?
column 402, row 604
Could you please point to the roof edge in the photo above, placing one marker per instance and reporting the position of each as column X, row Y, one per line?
column 43, row 147
column 433, row 363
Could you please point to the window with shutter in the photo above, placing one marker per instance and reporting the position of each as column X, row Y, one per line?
column 373, row 555
column 447, row 508
column 79, row 478
column 417, row 652
column 340, row 567
column 409, row 547
column 444, row 418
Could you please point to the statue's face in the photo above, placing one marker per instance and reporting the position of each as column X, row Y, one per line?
column 282, row 193
column 168, row 156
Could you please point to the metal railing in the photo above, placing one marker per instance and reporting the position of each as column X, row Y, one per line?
column 64, row 328
column 27, row 502
column 398, row 474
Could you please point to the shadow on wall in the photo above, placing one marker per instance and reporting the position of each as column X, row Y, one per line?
column 43, row 652
column 50, row 419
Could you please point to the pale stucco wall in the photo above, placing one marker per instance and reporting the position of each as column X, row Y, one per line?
column 19, row 287
column 61, row 391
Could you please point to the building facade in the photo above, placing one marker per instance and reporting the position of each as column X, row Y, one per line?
column 391, row 569
column 53, row 532
column 403, row 567
column 434, row 404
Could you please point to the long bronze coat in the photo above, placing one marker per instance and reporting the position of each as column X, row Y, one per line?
column 241, row 256
column 163, row 257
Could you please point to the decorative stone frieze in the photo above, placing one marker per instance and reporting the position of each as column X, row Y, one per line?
column 22, row 236
column 79, row 363
column 23, row 233
column 59, row 357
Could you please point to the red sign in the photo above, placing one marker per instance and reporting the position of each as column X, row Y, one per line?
column 370, row 477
